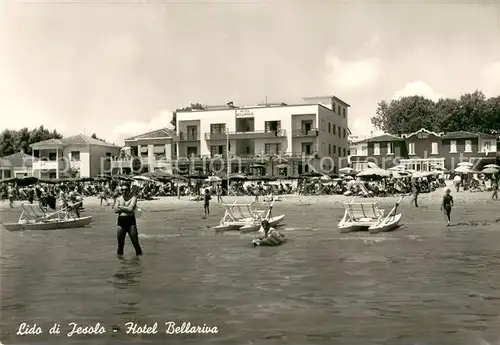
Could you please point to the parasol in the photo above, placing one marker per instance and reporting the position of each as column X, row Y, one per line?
column 346, row 170
column 374, row 172
column 494, row 166
column 465, row 164
column 213, row 179
column 490, row 171
column 463, row 169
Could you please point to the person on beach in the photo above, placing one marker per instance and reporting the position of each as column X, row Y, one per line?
column 415, row 191
column 127, row 224
column 115, row 196
column 206, row 202
column 103, row 197
column 218, row 190
column 494, row 186
column 447, row 204
column 10, row 195
column 457, row 181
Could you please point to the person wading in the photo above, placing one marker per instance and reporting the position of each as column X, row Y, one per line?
column 415, row 190
column 447, row 204
column 206, row 202
column 126, row 206
column 494, row 186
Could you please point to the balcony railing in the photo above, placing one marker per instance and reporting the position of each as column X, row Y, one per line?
column 245, row 135
column 188, row 136
column 250, row 157
column 313, row 132
column 49, row 165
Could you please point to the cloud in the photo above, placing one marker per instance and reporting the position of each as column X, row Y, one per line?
column 352, row 74
column 131, row 128
column 417, row 88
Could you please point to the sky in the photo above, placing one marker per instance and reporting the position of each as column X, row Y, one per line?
column 119, row 68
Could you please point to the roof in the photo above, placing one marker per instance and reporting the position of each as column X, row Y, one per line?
column 18, row 159
column 385, row 137
column 159, row 133
column 421, row 131
column 466, row 135
column 329, row 97
column 234, row 108
column 78, row 139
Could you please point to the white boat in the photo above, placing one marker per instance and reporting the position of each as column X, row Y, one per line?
column 35, row 217
column 246, row 218
column 368, row 216
column 388, row 223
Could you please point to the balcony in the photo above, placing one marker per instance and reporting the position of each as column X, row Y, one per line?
column 313, row 132
column 263, row 134
column 49, row 165
column 188, row 136
column 126, row 162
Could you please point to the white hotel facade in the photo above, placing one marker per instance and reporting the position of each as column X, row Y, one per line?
column 296, row 133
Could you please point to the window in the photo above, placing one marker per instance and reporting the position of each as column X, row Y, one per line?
column 411, row 148
column 344, row 112
column 322, row 125
column 306, row 127
column 329, row 149
column 354, row 151
column 340, row 152
column 334, row 129
column 108, row 154
column 329, row 127
column 338, row 109
column 390, row 148
column 333, row 108
column 468, row 146
column 334, row 149
column 340, row 132
column 364, row 150
column 344, row 132
column 453, row 146
column 486, row 146
column 52, row 156
column 345, row 152
column 307, row 148
column 435, row 150
column 192, row 151
column 273, row 126
column 6, row 174
column 217, row 149
column 376, row 149
column 192, row 132
column 75, row 155
column 217, row 128
column 270, row 149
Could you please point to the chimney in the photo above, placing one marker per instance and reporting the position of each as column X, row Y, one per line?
column 230, row 104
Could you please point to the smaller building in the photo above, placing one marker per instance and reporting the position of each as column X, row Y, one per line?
column 385, row 151
column 477, row 148
column 77, row 155
column 18, row 164
column 149, row 151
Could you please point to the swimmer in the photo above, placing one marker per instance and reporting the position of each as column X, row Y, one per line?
column 447, row 205
column 126, row 206
column 206, row 203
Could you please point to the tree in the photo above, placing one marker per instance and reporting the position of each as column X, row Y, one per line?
column 94, row 136
column 12, row 141
column 471, row 112
column 192, row 106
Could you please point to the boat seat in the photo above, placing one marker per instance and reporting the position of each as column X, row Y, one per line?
column 362, row 211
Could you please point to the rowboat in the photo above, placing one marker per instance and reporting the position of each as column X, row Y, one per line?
column 34, row 217
column 246, row 218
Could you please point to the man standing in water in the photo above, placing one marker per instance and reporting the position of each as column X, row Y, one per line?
column 494, row 186
column 415, row 190
column 447, row 205
column 126, row 206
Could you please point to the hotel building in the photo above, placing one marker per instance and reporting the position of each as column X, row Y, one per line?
column 298, row 136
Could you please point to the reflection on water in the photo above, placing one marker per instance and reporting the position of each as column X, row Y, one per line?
column 128, row 273
column 421, row 284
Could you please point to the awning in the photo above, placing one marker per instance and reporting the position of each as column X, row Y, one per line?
column 159, row 149
column 144, row 149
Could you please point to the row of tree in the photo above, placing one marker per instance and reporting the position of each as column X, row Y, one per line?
column 12, row 141
column 472, row 112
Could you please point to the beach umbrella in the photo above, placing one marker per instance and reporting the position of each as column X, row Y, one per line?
column 325, row 178
column 282, row 166
column 465, row 164
column 463, row 169
column 396, row 174
column 420, row 174
column 490, row 171
column 494, row 166
column 213, row 179
column 346, row 170
column 372, row 165
column 374, row 172
column 348, row 178
column 141, row 178
column 237, row 177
